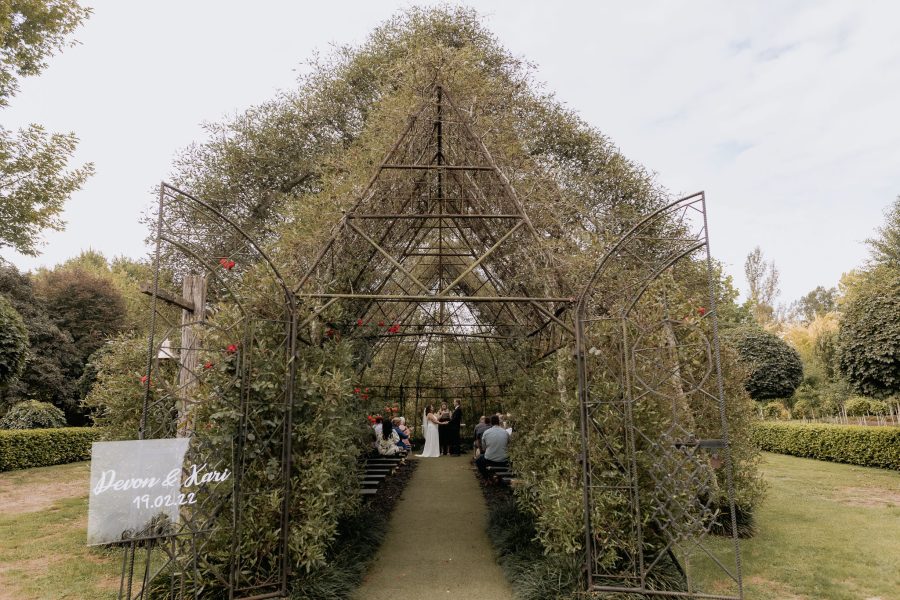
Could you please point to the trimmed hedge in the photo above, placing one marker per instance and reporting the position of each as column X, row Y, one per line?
column 26, row 448
column 856, row 445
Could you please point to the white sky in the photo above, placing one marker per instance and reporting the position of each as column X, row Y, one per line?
column 786, row 113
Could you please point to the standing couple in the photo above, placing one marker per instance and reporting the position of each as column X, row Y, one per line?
column 441, row 430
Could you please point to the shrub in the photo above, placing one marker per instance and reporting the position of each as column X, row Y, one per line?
column 775, row 367
column 775, row 410
column 13, row 342
column 23, row 449
column 803, row 409
column 33, row 414
column 869, row 338
column 856, row 445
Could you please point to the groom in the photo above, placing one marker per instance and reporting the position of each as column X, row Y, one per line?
column 453, row 428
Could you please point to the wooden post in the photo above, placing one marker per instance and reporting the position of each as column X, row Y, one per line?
column 194, row 290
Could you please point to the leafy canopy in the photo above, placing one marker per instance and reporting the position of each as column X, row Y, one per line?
column 13, row 342
column 775, row 367
column 34, row 179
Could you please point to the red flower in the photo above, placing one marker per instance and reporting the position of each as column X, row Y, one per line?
column 359, row 322
column 208, row 365
column 365, row 396
column 231, row 349
column 367, row 390
column 329, row 332
column 381, row 323
column 701, row 311
column 145, row 379
column 355, row 390
column 395, row 328
column 227, row 264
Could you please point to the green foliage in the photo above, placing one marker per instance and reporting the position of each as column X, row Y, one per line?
column 857, row 406
column 34, row 184
column 23, row 449
column 115, row 400
column 86, row 305
column 13, row 342
column 803, row 409
column 857, row 445
column 52, row 363
column 775, row 410
column 869, row 338
column 31, row 31
column 885, row 246
column 775, row 368
column 816, row 303
column 32, row 414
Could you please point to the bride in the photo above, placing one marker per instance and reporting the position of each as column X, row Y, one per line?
column 430, row 427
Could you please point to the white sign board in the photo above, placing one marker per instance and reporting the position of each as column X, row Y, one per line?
column 139, row 487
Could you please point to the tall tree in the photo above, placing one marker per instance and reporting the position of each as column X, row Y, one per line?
column 816, row 303
column 885, row 246
column 762, row 279
column 34, row 179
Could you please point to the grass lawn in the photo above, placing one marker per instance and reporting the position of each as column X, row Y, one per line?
column 826, row 531
column 43, row 528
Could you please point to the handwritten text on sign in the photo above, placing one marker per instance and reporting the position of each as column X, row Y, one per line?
column 138, row 487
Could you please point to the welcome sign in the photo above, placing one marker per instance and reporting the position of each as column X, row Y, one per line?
column 139, row 488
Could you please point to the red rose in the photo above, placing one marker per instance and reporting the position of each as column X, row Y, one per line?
column 365, row 396
column 367, row 390
column 355, row 390
column 701, row 311
column 208, row 365
column 231, row 349
column 359, row 322
column 381, row 323
column 145, row 379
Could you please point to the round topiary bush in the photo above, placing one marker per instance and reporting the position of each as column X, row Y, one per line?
column 857, row 406
column 32, row 414
column 775, row 367
column 13, row 342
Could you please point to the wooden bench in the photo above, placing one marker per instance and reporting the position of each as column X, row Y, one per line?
column 375, row 470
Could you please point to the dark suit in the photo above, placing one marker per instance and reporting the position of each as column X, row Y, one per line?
column 453, row 431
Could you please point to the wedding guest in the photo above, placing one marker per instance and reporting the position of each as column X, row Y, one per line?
column 403, row 438
column 482, row 426
column 494, row 443
column 386, row 443
column 405, row 430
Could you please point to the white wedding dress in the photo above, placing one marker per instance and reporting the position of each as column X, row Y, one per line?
column 432, row 444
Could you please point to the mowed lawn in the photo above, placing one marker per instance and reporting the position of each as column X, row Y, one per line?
column 43, row 528
column 826, row 532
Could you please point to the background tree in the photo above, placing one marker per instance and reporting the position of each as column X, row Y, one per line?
column 13, row 342
column 52, row 362
column 885, row 246
column 775, row 367
column 762, row 281
column 816, row 303
column 34, row 180
column 869, row 337
column 86, row 305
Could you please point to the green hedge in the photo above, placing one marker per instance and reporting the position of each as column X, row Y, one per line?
column 25, row 448
column 865, row 446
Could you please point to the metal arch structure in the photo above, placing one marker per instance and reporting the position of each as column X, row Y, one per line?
column 438, row 257
column 634, row 355
column 162, row 564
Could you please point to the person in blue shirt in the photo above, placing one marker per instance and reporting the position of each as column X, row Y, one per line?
column 494, row 443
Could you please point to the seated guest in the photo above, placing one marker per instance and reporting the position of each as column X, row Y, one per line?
column 407, row 440
column 386, row 441
column 377, row 425
column 479, row 430
column 403, row 438
column 494, row 442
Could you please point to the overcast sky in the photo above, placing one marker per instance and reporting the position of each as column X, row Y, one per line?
column 786, row 113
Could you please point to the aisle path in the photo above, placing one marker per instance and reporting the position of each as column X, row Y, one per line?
column 436, row 546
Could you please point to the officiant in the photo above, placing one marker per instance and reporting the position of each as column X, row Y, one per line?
column 453, row 428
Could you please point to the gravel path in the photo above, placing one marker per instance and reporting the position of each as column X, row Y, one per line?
column 436, row 546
